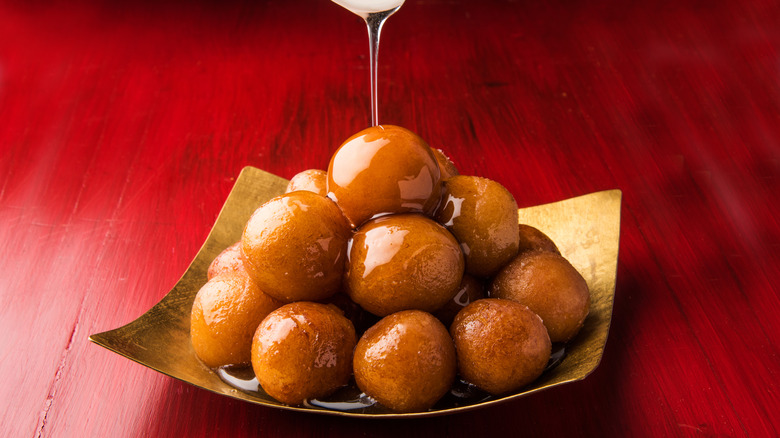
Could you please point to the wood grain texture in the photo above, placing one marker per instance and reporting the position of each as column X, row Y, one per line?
column 123, row 127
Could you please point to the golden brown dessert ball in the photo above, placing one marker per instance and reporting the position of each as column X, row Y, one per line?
column 225, row 314
column 302, row 351
column 483, row 216
column 384, row 169
column 446, row 166
column 533, row 239
column 406, row 361
column 311, row 180
column 295, row 245
column 401, row 262
column 550, row 286
column 229, row 260
column 470, row 290
column 501, row 345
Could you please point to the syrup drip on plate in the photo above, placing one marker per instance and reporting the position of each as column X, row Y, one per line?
column 351, row 399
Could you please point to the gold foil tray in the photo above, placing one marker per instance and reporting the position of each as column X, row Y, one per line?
column 586, row 230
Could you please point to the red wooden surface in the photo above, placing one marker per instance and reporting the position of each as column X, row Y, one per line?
column 124, row 124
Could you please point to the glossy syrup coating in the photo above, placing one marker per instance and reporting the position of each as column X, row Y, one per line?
column 406, row 361
column 533, row 239
column 384, row 169
column 446, row 166
column 311, row 180
column 294, row 246
column 225, row 314
column 483, row 216
column 302, row 351
column 401, row 262
column 550, row 286
column 470, row 290
column 229, row 260
column 501, row 345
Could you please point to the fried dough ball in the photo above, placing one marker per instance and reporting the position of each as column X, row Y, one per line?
column 294, row 247
column 401, row 262
column 470, row 290
column 311, row 180
column 406, row 361
column 550, row 286
column 225, row 314
column 447, row 167
column 532, row 239
column 384, row 169
column 302, row 351
column 483, row 216
column 229, row 260
column 501, row 345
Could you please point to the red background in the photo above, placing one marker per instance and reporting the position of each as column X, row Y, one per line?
column 123, row 126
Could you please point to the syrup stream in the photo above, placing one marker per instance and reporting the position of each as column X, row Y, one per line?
column 374, row 22
column 374, row 12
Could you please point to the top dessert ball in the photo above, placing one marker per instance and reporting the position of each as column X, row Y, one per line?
column 384, row 169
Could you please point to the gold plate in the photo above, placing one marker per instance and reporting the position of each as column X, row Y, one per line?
column 586, row 230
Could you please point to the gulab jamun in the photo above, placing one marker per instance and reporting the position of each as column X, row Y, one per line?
column 229, row 260
column 533, row 239
column 303, row 350
column 295, row 245
column 501, row 345
column 311, row 180
column 384, row 169
column 406, row 361
column 483, row 216
column 225, row 314
column 402, row 262
column 550, row 286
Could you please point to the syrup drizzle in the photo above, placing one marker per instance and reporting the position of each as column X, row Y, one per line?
column 374, row 13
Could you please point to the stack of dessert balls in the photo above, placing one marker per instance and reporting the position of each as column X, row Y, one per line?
column 395, row 270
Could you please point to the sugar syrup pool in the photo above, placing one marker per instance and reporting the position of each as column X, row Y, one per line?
column 351, row 399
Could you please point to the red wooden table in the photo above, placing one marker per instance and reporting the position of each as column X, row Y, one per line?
column 123, row 126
